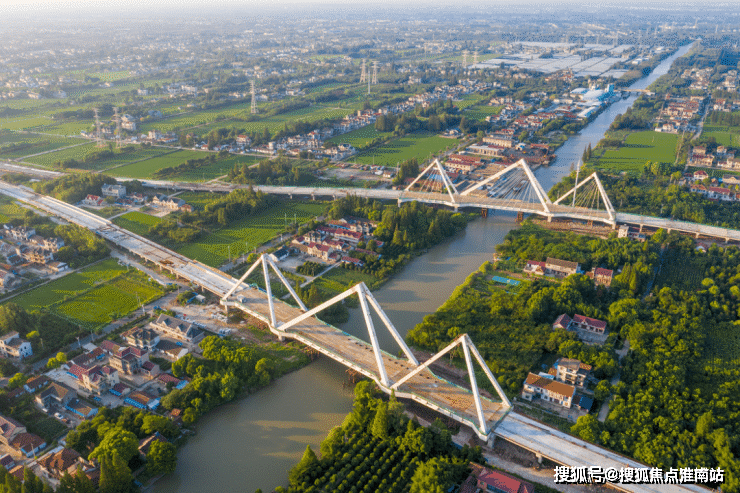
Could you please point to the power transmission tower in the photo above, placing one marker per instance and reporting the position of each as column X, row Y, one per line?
column 117, row 118
column 375, row 72
column 98, row 133
column 254, row 100
column 465, row 59
column 475, row 57
column 363, row 74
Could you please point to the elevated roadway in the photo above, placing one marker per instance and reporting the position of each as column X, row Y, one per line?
column 424, row 387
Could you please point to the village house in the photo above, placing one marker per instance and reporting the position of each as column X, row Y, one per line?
column 9, row 429
column 116, row 191
column 12, row 346
column 177, row 329
column 171, row 203
column 484, row 479
column 535, row 267
column 548, row 389
column 128, row 360
column 28, row 444
column 56, row 394
column 142, row 338
column 34, row 384
column 571, row 371
column 560, row 268
column 93, row 200
column 55, row 464
column 141, row 400
column 6, row 278
column 700, row 175
column 601, row 277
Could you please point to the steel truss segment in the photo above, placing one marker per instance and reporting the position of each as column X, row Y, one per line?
column 391, row 328
column 521, row 164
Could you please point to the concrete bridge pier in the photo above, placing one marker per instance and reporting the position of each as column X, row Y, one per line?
column 640, row 228
column 539, row 458
column 491, row 440
column 697, row 235
column 290, row 195
column 313, row 197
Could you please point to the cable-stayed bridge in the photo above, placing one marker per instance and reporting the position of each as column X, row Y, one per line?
column 488, row 417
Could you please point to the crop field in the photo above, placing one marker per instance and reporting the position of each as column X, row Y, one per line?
column 724, row 135
column 219, row 168
column 468, row 100
column 77, row 152
column 480, row 112
column 637, row 149
column 250, row 232
column 137, row 222
column 121, row 158
column 25, row 123
column 37, row 144
column 418, row 145
column 66, row 128
column 10, row 210
column 145, row 169
column 110, row 301
column 360, row 137
column 69, row 285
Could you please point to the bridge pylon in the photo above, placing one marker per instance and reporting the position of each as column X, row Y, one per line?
column 266, row 262
column 367, row 300
column 513, row 180
column 435, row 173
column 590, row 196
column 468, row 348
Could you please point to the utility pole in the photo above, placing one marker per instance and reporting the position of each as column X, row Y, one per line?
column 254, row 100
column 363, row 74
column 375, row 73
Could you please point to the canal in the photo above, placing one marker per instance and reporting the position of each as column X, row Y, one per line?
column 251, row 443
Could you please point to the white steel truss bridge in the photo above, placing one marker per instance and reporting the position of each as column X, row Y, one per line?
column 406, row 376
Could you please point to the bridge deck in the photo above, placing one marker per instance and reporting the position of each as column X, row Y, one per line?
column 425, row 387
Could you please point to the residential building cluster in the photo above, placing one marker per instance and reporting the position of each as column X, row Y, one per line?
column 337, row 240
column 680, row 114
column 22, row 247
column 560, row 385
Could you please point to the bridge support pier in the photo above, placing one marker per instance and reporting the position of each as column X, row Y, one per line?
column 484, row 212
column 640, row 228
column 491, row 440
column 697, row 236
column 313, row 197
column 520, row 217
column 539, row 458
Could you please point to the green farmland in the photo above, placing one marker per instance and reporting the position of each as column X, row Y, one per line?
column 10, row 210
column 480, row 112
column 145, row 169
column 137, row 222
column 360, row 137
column 418, row 145
column 213, row 248
column 637, row 149
column 92, row 297
column 17, row 145
column 724, row 135
column 78, row 153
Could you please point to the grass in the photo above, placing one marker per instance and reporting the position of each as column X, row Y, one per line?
column 339, row 279
column 637, row 149
column 360, row 137
column 137, row 222
column 724, row 135
column 219, row 168
column 418, row 145
column 213, row 248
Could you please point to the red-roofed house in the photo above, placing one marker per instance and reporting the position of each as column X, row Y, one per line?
column 534, row 267
column 93, row 200
column 562, row 322
column 590, row 324
column 489, row 480
column 700, row 175
column 601, row 277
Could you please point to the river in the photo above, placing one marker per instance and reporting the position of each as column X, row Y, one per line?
column 251, row 443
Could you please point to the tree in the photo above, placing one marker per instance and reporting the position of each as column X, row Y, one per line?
column 603, row 391
column 380, row 423
column 304, row 468
column 115, row 476
column 166, row 427
column 162, row 458
column 587, row 427
column 16, row 381
column 13, row 318
column 119, row 442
